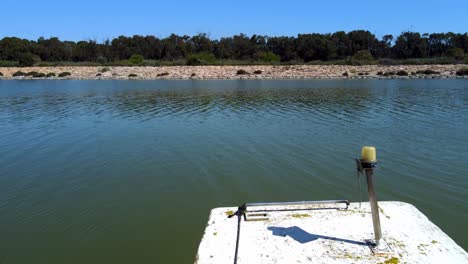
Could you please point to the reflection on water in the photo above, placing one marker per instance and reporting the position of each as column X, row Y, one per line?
column 113, row 171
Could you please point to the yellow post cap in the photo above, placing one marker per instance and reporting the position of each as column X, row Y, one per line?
column 368, row 154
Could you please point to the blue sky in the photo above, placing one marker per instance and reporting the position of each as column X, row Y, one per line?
column 87, row 19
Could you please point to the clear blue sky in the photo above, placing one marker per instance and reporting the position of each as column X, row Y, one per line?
column 101, row 19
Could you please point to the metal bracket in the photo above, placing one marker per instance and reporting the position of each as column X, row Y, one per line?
column 259, row 215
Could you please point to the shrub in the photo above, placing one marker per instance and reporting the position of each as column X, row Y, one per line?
column 163, row 74
column 386, row 61
column 258, row 72
column 192, row 75
column 98, row 74
column 35, row 74
column 427, row 61
column 379, row 73
column 27, row 59
column 64, row 74
column 39, row 75
column 363, row 55
column 1, row 74
column 101, row 59
column 105, row 69
column 402, row 73
column 19, row 73
column 463, row 71
column 389, row 73
column 4, row 63
column 346, row 74
column 136, row 59
column 200, row 59
column 427, row 72
column 242, row 72
column 132, row 75
column 50, row 74
column 456, row 53
column 268, row 57
column 193, row 60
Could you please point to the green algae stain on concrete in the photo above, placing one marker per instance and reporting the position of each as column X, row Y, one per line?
column 393, row 260
column 229, row 212
column 351, row 257
column 300, row 215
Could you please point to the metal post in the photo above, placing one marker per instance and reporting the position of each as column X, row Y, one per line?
column 374, row 205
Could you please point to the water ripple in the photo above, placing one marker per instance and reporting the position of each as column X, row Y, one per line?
column 92, row 160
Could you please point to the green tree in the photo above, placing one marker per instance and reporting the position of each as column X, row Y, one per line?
column 410, row 45
column 200, row 44
column 362, row 40
column 175, row 47
column 342, row 43
column 223, row 48
column 26, row 59
column 242, row 47
column 315, row 47
column 285, row 47
column 306, row 47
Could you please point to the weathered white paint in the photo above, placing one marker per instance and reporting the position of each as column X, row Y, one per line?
column 328, row 236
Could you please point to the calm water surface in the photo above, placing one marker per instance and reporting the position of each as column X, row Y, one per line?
column 127, row 171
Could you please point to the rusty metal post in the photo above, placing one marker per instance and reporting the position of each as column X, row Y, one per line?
column 374, row 205
column 367, row 163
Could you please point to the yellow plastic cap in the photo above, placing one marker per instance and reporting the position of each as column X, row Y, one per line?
column 368, row 154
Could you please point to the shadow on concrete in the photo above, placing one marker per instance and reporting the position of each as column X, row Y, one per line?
column 303, row 236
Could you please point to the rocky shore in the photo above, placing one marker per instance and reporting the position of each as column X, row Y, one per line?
column 233, row 72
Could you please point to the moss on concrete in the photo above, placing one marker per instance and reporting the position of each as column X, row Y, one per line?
column 393, row 260
column 229, row 212
column 300, row 215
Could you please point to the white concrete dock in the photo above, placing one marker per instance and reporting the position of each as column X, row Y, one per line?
column 326, row 234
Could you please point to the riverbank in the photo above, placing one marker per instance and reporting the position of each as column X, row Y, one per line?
column 233, row 72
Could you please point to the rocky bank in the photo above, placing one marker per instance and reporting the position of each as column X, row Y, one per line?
column 239, row 72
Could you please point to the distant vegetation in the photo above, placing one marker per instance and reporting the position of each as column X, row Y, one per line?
column 136, row 59
column 355, row 48
column 35, row 74
column 463, row 71
column 18, row 74
column 64, row 74
column 402, row 73
column 242, row 72
column 427, row 72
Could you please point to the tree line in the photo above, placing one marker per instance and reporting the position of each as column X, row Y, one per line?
column 358, row 45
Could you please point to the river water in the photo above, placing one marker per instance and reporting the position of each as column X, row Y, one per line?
column 127, row 171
